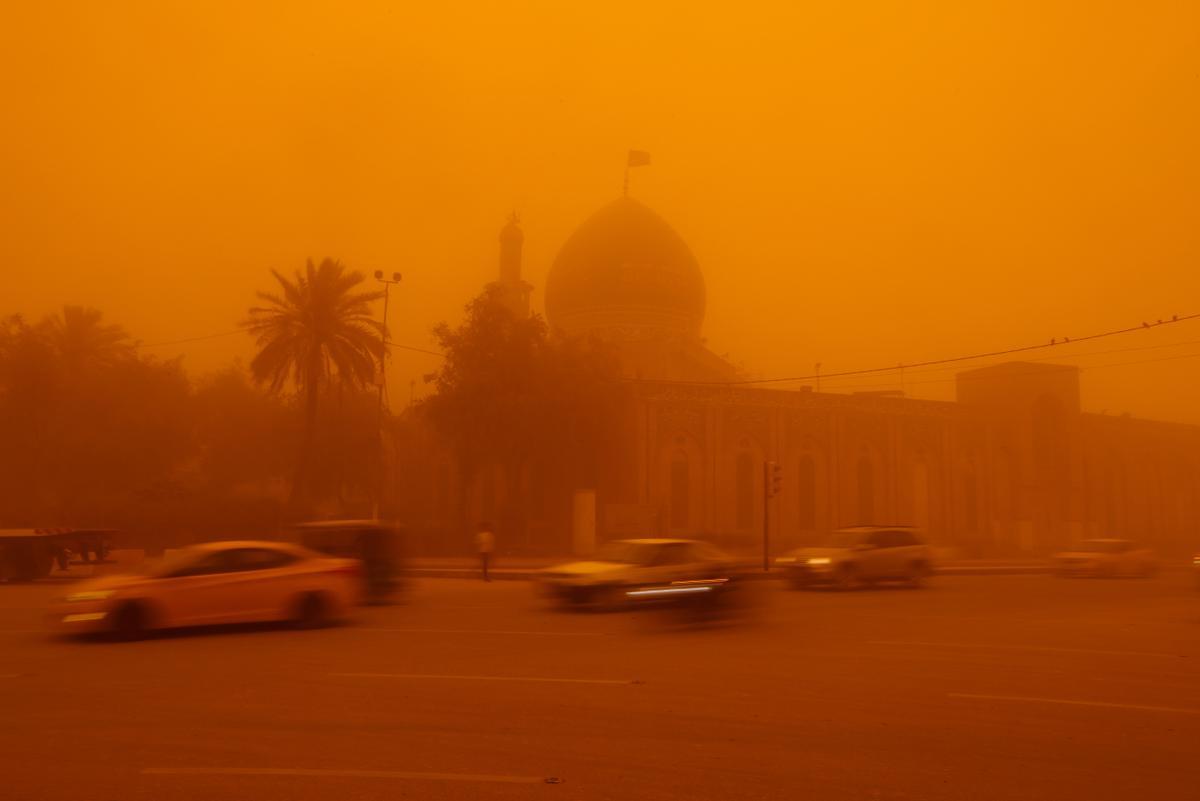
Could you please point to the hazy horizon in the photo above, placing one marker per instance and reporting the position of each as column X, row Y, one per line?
column 877, row 186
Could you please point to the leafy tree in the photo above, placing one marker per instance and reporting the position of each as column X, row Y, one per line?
column 82, row 341
column 244, row 436
column 315, row 328
column 86, row 423
column 509, row 394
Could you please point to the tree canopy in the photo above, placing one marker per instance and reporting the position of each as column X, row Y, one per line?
column 95, row 433
column 316, row 328
column 509, row 393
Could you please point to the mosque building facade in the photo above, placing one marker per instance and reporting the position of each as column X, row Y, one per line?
column 1013, row 466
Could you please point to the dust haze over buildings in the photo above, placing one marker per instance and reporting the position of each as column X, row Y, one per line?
column 862, row 185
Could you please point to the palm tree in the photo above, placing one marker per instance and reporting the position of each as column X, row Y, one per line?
column 315, row 328
column 82, row 340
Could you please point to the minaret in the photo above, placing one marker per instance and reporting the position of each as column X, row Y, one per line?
column 514, row 292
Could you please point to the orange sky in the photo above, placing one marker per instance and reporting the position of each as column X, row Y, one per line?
column 863, row 183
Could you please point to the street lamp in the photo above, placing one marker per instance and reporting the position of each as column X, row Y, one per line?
column 387, row 285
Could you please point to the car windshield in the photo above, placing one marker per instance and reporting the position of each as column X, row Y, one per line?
column 842, row 539
column 172, row 562
column 630, row 553
column 1101, row 546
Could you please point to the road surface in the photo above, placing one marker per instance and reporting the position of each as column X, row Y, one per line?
column 1002, row 687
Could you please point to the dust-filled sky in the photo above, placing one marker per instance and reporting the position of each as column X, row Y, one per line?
column 863, row 183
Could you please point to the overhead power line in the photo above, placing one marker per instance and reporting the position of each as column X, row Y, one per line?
column 241, row 331
column 414, row 348
column 1078, row 355
column 188, row 339
column 950, row 360
column 1053, row 343
column 953, row 379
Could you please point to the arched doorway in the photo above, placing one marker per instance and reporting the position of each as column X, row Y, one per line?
column 865, row 484
column 922, row 518
column 1051, row 472
column 806, row 495
column 679, row 492
column 744, row 490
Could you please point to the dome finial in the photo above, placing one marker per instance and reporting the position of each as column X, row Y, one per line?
column 636, row 158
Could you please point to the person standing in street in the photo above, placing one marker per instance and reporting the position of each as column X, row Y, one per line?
column 485, row 543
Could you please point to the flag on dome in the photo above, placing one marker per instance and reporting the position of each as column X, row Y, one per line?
column 638, row 158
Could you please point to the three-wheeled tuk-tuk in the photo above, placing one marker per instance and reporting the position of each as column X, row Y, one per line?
column 378, row 545
column 31, row 553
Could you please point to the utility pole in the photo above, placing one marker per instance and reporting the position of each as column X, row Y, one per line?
column 772, row 486
column 383, row 347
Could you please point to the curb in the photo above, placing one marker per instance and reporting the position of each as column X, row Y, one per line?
column 531, row 575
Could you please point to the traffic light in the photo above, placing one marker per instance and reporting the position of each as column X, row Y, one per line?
column 774, row 478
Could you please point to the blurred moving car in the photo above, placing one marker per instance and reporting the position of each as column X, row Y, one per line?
column 217, row 582
column 732, row 598
column 851, row 557
column 378, row 545
column 1196, row 568
column 1106, row 558
column 629, row 566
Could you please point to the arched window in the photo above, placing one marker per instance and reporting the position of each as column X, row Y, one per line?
column 866, row 490
column 487, row 493
column 745, row 490
column 1004, row 503
column 1052, row 461
column 441, row 490
column 680, row 491
column 535, row 492
column 1050, row 443
column 806, row 477
column 970, row 498
column 922, row 490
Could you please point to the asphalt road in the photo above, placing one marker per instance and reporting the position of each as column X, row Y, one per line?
column 1002, row 687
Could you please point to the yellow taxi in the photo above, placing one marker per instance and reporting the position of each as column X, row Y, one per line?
column 213, row 583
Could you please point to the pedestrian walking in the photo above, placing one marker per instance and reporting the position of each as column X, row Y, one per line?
column 485, row 543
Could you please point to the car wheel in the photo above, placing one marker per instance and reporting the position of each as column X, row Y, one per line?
column 311, row 612
column 23, row 563
column 608, row 599
column 129, row 622
column 846, row 578
column 918, row 574
column 797, row 581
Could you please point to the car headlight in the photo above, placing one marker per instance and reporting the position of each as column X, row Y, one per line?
column 785, row 560
column 90, row 595
column 820, row 560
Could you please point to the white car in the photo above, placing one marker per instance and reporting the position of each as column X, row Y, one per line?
column 622, row 566
column 217, row 582
column 851, row 557
column 1106, row 558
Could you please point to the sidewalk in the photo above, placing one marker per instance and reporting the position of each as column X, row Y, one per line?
column 526, row 568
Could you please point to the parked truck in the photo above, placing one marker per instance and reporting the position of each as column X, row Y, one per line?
column 27, row 554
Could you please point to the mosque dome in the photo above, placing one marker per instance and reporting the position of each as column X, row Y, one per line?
column 626, row 269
